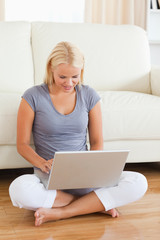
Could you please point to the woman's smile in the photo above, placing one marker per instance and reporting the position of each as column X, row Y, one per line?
column 68, row 88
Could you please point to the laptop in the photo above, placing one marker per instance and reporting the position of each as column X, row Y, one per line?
column 84, row 169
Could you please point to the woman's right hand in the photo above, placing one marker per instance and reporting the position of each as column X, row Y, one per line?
column 46, row 165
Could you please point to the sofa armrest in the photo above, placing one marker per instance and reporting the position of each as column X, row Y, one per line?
column 155, row 80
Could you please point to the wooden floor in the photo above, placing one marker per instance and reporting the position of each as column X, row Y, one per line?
column 137, row 221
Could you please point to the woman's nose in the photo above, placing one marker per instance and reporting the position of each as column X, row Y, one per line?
column 69, row 81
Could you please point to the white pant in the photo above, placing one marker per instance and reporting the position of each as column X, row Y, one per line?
column 28, row 192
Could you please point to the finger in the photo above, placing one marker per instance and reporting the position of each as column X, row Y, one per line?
column 45, row 169
column 50, row 161
column 48, row 167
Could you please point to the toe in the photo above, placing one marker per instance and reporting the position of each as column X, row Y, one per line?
column 36, row 214
column 115, row 213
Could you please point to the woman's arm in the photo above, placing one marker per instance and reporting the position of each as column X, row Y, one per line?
column 95, row 128
column 25, row 120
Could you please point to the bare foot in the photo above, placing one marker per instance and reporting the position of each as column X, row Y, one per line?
column 43, row 215
column 113, row 212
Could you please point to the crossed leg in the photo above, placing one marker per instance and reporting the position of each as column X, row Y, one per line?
column 27, row 192
column 67, row 206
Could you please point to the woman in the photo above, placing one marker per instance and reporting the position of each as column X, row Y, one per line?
column 59, row 112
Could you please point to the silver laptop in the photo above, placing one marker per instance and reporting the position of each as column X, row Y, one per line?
column 84, row 169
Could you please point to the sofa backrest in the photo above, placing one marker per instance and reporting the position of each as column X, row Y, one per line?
column 16, row 65
column 116, row 57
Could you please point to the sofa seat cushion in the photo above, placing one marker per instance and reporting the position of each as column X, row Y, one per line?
column 126, row 116
column 10, row 158
column 130, row 116
column 9, row 103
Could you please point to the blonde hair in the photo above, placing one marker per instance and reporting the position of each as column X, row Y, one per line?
column 64, row 52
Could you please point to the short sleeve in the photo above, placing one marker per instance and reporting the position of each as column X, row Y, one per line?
column 91, row 97
column 30, row 96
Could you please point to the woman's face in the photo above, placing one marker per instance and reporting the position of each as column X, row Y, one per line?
column 66, row 77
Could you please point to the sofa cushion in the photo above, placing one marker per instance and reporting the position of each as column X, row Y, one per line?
column 116, row 57
column 9, row 103
column 16, row 62
column 130, row 116
column 10, row 158
column 126, row 116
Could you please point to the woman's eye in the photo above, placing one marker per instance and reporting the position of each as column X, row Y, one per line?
column 75, row 76
column 62, row 77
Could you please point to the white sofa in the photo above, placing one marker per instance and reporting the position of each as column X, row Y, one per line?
column 117, row 65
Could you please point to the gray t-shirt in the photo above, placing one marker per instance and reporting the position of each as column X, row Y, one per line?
column 53, row 131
